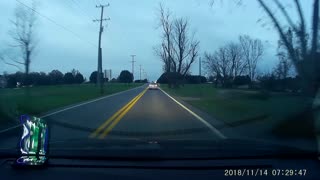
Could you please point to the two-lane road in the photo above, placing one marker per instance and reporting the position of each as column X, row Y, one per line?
column 136, row 113
column 156, row 115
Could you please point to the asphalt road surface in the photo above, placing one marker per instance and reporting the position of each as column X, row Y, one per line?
column 136, row 113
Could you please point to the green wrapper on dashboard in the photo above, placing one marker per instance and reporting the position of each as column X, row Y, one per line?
column 33, row 142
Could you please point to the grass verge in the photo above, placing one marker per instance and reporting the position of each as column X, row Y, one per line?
column 273, row 112
column 37, row 100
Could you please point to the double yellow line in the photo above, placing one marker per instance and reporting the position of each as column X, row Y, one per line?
column 104, row 129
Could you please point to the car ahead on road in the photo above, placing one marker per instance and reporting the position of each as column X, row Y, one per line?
column 153, row 86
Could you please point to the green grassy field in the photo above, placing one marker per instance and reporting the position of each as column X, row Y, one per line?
column 37, row 100
column 240, row 107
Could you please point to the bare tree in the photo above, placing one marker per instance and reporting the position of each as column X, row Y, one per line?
column 306, row 59
column 226, row 63
column 304, row 53
column 252, row 52
column 212, row 67
column 219, row 64
column 180, row 41
column 238, row 64
column 302, row 48
column 235, row 59
column 284, row 65
column 184, row 46
column 212, row 64
column 179, row 49
column 11, row 62
column 164, row 51
column 22, row 34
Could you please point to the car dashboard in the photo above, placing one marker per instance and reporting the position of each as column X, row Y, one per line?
column 304, row 168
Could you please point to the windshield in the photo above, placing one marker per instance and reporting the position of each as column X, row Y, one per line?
column 236, row 77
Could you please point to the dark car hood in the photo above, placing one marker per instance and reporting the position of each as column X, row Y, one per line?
column 135, row 148
column 174, row 148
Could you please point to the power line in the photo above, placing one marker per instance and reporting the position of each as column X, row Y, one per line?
column 81, row 9
column 98, row 2
column 200, row 66
column 57, row 24
column 73, row 8
column 140, row 72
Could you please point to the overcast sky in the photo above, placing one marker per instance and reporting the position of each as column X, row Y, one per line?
column 133, row 30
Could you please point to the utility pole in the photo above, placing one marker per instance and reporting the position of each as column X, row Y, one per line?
column 145, row 75
column 140, row 72
column 199, row 66
column 105, row 76
column 200, row 70
column 99, row 77
column 132, row 61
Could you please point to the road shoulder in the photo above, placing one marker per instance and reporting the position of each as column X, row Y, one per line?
column 213, row 124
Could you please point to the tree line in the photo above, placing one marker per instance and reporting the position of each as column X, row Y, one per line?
column 55, row 77
column 174, row 79
column 125, row 76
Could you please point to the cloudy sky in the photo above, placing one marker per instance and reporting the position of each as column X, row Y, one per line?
column 133, row 30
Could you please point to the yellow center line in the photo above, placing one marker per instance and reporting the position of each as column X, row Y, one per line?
column 106, row 123
column 116, row 121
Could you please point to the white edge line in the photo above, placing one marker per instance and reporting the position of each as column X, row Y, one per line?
column 59, row 111
column 213, row 129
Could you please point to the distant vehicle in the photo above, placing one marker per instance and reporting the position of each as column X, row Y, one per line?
column 153, row 86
